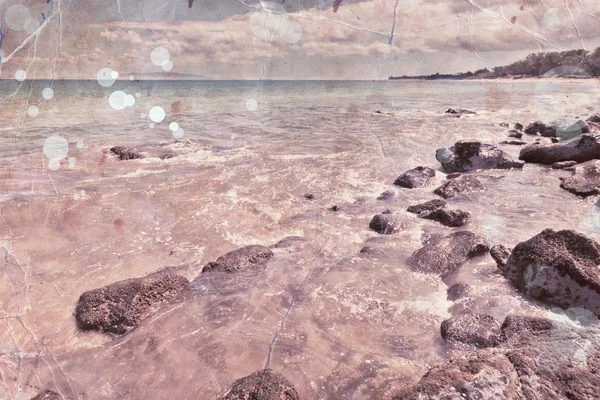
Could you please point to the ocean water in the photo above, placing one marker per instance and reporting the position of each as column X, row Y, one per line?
column 338, row 324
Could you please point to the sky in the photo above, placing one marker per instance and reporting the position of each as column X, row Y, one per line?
column 298, row 39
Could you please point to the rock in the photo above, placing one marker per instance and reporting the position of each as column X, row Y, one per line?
column 453, row 175
column 518, row 127
column 427, row 206
column 446, row 254
column 563, row 164
column 239, row 259
column 458, row 186
column 514, row 142
column 516, row 326
column 309, row 196
column 415, row 178
column 125, row 153
column 372, row 251
column 571, row 131
column 47, row 395
column 557, row 267
column 515, row 133
column 504, row 124
column 165, row 155
column 588, row 148
column 387, row 224
column 500, row 254
column 387, row 195
column 290, row 242
column 479, row 330
column 594, row 118
column 457, row 291
column 262, row 385
column 459, row 111
column 119, row 307
column 540, row 128
column 585, row 180
column 451, row 218
column 387, row 211
column 470, row 155
column 335, row 208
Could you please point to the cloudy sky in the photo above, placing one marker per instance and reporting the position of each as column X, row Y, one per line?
column 298, row 39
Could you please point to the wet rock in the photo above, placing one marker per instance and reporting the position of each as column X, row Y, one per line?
column 165, row 155
column 470, row 155
column 239, row 259
column 479, row 330
column 119, row 307
column 517, row 326
column 458, row 186
column 371, row 251
column 387, row 195
column 415, row 178
column 451, row 218
column 446, row 254
column 459, row 111
column 453, row 175
column 563, row 164
column 515, row 134
column 387, row 224
column 47, row 395
column 457, row 291
column 335, row 208
column 585, row 180
column 290, row 242
column 504, row 124
column 514, row 142
column 125, row 153
column 500, row 254
column 539, row 128
column 557, row 267
column 427, row 206
column 594, row 118
column 588, row 148
column 518, row 126
column 262, row 385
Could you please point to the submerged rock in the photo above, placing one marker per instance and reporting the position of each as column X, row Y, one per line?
column 457, row 291
column 47, row 395
column 470, row 155
column 387, row 223
column 451, row 218
column 119, row 307
column 459, row 111
column 126, row 153
column 458, row 186
column 239, row 259
column 585, row 180
column 418, row 177
column 588, row 148
column 480, row 330
column 290, row 242
column 387, row 195
column 446, row 254
column 557, row 267
column 427, row 206
column 262, row 385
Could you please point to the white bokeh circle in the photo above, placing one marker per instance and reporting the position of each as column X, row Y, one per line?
column 56, row 147
column 117, row 100
column 20, row 75
column 159, row 56
column 157, row 114
column 33, row 111
column 48, row 93
column 251, row 104
column 104, row 77
column 16, row 16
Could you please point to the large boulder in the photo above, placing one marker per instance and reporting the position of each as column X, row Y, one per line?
column 415, row 178
column 470, row 155
column 446, row 254
column 119, row 307
column 451, row 218
column 479, row 330
column 239, row 259
column 585, row 180
column 462, row 184
column 557, row 267
column 262, row 385
column 426, row 206
column 587, row 148
column 387, row 223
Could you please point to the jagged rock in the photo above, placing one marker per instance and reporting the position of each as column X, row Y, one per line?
column 125, row 153
column 479, row 330
column 470, row 155
column 457, row 186
column 585, row 180
column 459, row 111
column 239, row 259
column 500, row 254
column 588, row 148
column 557, row 267
column 518, row 126
column 446, row 254
column 540, row 128
column 119, row 307
column 594, row 118
column 262, row 385
column 457, row 291
column 427, row 206
column 47, row 395
column 515, row 326
column 515, row 133
column 451, row 218
column 514, row 142
column 387, row 195
column 387, row 224
column 563, row 164
column 415, row 178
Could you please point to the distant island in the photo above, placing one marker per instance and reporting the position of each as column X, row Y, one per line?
column 565, row 64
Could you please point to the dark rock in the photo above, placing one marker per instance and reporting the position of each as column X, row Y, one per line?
column 453, row 175
column 515, row 133
column 480, row 330
column 504, row 124
column 290, row 242
column 563, row 164
column 387, row 195
column 514, row 142
column 459, row 111
column 119, row 307
column 415, row 178
column 125, row 153
column 541, row 129
column 594, row 118
column 588, row 148
column 554, row 140
column 585, row 180
column 515, row 326
column 457, row 186
column 239, row 259
column 470, row 155
column 165, row 155
column 451, row 218
column 262, row 385
column 500, row 254
column 387, row 224
column 368, row 250
column 335, row 208
column 457, row 291
column 387, row 212
column 557, row 267
column 309, row 196
column 571, row 131
column 47, row 395
column 445, row 254
column 427, row 206
column 518, row 127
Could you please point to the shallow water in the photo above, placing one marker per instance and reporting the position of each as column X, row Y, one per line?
column 337, row 323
